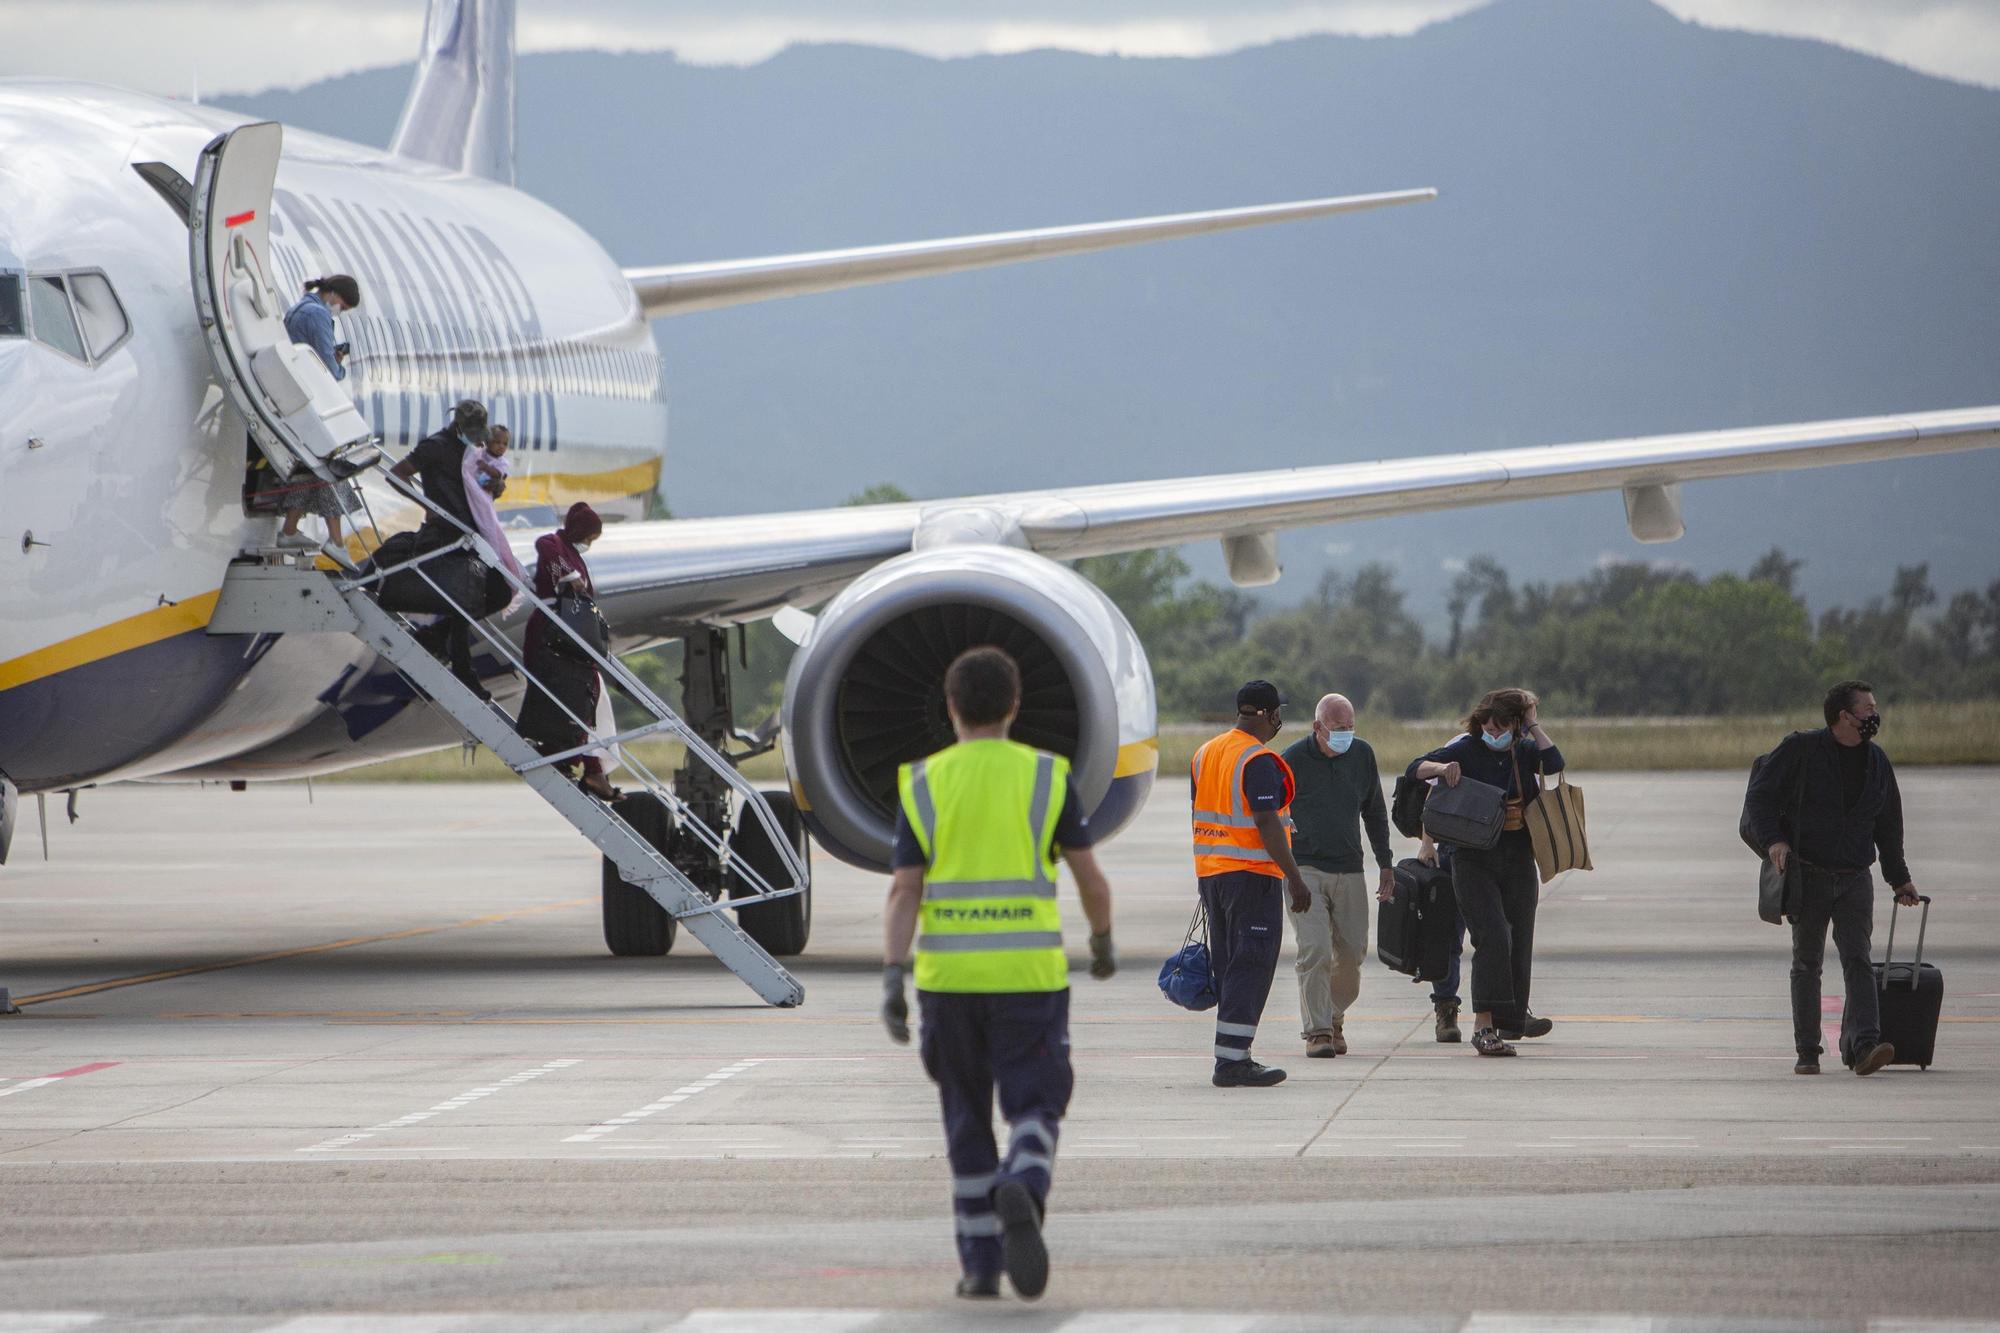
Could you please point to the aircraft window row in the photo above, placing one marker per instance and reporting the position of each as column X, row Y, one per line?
column 74, row 313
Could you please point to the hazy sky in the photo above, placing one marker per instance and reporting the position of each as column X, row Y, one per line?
column 242, row 45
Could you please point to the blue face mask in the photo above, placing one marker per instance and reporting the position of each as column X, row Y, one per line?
column 1338, row 741
column 1501, row 742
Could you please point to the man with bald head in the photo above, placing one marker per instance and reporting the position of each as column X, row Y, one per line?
column 1339, row 791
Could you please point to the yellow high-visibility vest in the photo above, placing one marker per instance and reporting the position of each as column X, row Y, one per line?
column 985, row 815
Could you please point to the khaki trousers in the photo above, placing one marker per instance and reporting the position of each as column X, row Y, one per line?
column 1332, row 938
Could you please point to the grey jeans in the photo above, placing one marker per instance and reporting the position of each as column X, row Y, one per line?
column 1846, row 898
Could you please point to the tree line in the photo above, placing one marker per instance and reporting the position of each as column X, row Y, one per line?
column 1624, row 639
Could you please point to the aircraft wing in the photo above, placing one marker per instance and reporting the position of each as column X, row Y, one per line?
column 656, row 578
column 681, row 289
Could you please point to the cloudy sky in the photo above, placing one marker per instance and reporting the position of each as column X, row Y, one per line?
column 243, row 45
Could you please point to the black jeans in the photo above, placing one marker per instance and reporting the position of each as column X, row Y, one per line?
column 1498, row 891
column 1846, row 898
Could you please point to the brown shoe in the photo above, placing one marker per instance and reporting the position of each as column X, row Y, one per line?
column 1319, row 1046
column 1447, row 1021
column 1339, row 1039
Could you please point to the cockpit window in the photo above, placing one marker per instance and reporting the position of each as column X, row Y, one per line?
column 12, row 325
column 103, row 319
column 54, row 324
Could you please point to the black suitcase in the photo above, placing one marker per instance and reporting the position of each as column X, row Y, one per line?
column 1911, row 995
column 1416, row 927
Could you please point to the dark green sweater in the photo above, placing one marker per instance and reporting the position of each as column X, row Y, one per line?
column 1337, row 794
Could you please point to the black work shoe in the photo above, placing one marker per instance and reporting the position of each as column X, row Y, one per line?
column 1021, row 1250
column 979, row 1286
column 1808, row 1064
column 1873, row 1058
column 1246, row 1074
column 1530, row 1027
column 1487, row 1042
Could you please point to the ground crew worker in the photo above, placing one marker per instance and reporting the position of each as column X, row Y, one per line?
column 978, row 830
column 1243, row 861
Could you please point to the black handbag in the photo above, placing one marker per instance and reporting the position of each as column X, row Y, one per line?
column 1472, row 814
column 585, row 620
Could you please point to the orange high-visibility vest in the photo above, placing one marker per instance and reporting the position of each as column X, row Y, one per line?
column 1225, row 832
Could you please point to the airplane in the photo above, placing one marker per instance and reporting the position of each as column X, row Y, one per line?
column 126, row 414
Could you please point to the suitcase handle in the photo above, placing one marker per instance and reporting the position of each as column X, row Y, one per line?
column 1889, row 946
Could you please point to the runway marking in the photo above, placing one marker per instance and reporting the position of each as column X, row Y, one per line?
column 119, row 983
column 30, row 1084
column 674, row 1098
column 372, row 1323
column 45, row 1322
column 1557, row 1323
column 774, row 1321
column 463, row 1099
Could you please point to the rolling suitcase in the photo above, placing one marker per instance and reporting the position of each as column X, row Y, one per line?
column 1910, row 995
column 1415, row 928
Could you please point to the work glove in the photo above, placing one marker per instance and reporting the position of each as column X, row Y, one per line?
column 895, row 1004
column 1103, row 958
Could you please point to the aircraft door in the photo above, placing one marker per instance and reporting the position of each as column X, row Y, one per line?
column 296, row 411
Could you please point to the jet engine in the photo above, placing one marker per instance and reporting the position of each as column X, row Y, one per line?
column 866, row 689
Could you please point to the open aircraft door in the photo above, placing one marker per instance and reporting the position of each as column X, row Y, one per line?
column 296, row 411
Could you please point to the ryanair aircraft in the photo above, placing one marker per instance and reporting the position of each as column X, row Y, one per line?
column 123, row 457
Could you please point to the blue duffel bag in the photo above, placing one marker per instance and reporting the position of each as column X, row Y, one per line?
column 1188, row 978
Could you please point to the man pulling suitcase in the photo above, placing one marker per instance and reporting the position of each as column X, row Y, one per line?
column 1829, row 798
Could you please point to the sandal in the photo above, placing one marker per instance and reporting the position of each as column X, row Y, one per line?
column 1487, row 1042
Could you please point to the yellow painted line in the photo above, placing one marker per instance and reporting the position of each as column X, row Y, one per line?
column 148, row 627
column 119, row 983
column 1138, row 757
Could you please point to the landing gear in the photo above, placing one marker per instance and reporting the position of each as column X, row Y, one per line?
column 636, row 925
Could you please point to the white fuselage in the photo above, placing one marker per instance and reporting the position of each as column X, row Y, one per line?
column 122, row 515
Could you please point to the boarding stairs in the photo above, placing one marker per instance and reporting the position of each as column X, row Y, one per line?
column 284, row 592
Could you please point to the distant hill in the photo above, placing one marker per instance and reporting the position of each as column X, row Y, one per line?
column 1645, row 226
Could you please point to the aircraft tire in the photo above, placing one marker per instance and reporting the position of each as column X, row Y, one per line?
column 636, row 926
column 783, row 926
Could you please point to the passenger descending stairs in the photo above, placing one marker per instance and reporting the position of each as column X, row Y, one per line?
column 267, row 594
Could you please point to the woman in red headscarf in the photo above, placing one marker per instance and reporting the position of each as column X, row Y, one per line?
column 573, row 681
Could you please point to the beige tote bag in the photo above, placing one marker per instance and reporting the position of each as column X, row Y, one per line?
column 1555, row 825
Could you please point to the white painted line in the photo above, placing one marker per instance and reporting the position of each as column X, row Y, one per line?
column 1933, row 1326
column 463, row 1099
column 1558, row 1323
column 674, row 1098
column 371, row 1323
column 1148, row 1321
column 49, row 1321
column 775, row 1321
column 1851, row 1138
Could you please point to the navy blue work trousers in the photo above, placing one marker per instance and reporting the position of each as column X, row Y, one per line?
column 1246, row 920
column 973, row 1045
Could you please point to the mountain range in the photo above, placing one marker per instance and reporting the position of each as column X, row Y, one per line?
column 1644, row 226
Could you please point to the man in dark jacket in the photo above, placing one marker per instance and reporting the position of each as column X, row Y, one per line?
column 1829, row 797
column 438, row 463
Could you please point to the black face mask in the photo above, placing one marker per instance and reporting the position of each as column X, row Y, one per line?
column 1867, row 726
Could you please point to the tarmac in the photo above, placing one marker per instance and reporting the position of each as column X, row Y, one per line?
column 362, row 1062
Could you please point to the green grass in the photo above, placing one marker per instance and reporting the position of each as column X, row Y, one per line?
column 1913, row 734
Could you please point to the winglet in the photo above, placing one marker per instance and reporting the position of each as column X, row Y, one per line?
column 460, row 114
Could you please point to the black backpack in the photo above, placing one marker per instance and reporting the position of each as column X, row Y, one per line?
column 1406, row 805
column 1743, row 829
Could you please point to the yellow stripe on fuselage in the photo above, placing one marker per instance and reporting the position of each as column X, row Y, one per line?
column 1138, row 757
column 148, row 627
column 563, row 489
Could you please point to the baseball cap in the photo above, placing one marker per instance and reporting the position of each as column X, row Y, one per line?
column 469, row 420
column 1259, row 694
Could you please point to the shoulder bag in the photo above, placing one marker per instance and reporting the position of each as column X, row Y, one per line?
column 582, row 616
column 1472, row 814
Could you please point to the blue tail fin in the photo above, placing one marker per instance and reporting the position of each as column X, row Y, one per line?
column 461, row 109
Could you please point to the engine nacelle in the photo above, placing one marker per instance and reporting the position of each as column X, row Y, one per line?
column 866, row 690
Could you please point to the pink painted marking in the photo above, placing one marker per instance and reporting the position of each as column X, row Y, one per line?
column 84, row 1069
